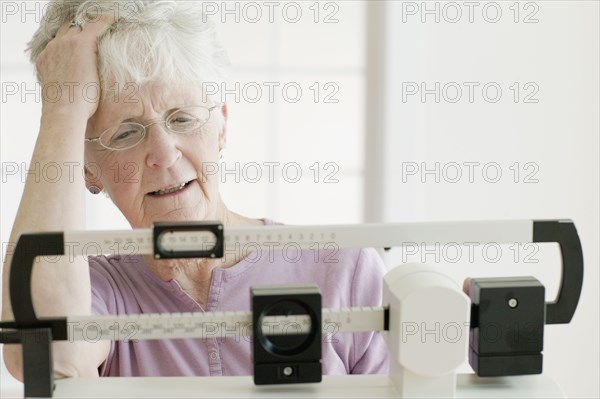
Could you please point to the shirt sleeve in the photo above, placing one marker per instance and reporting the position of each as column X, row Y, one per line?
column 370, row 350
column 103, row 302
column 102, row 289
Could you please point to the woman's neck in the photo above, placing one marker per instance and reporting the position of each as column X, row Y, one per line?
column 194, row 275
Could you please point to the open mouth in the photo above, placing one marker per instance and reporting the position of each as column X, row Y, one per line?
column 170, row 190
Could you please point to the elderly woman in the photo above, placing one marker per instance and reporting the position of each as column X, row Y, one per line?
column 153, row 115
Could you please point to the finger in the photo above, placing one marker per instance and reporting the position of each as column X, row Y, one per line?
column 467, row 285
column 64, row 28
column 98, row 25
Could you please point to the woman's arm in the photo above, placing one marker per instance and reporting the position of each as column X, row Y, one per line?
column 62, row 287
column 371, row 355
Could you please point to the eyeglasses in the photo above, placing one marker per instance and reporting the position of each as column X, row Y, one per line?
column 184, row 121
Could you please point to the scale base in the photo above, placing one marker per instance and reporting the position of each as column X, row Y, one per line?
column 355, row 386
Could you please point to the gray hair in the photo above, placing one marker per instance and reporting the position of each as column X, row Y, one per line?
column 162, row 41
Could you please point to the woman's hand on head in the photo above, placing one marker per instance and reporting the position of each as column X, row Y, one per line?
column 68, row 68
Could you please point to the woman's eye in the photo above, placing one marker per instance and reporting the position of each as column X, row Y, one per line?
column 123, row 135
column 182, row 119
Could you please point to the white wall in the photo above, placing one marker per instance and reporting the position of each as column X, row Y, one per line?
column 555, row 141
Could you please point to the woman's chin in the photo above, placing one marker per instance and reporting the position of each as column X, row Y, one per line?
column 182, row 215
column 177, row 215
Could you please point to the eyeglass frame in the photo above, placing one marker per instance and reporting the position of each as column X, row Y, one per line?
column 152, row 122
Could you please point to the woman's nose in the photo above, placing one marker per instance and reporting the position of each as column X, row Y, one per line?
column 161, row 147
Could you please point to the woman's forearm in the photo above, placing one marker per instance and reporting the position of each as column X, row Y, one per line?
column 59, row 286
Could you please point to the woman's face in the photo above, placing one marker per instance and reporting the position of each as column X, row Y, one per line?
column 163, row 160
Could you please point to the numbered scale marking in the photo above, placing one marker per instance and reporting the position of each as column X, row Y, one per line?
column 271, row 238
column 218, row 324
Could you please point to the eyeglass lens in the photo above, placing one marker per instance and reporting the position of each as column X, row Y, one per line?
column 182, row 121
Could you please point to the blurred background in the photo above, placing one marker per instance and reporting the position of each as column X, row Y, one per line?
column 395, row 111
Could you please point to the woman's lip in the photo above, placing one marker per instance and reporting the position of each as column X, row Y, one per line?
column 187, row 185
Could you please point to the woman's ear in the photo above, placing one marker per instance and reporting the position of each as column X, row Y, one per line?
column 92, row 180
column 223, row 133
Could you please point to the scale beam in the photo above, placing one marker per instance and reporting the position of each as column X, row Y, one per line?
column 213, row 240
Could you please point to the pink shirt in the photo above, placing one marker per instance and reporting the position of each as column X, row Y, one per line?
column 347, row 278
